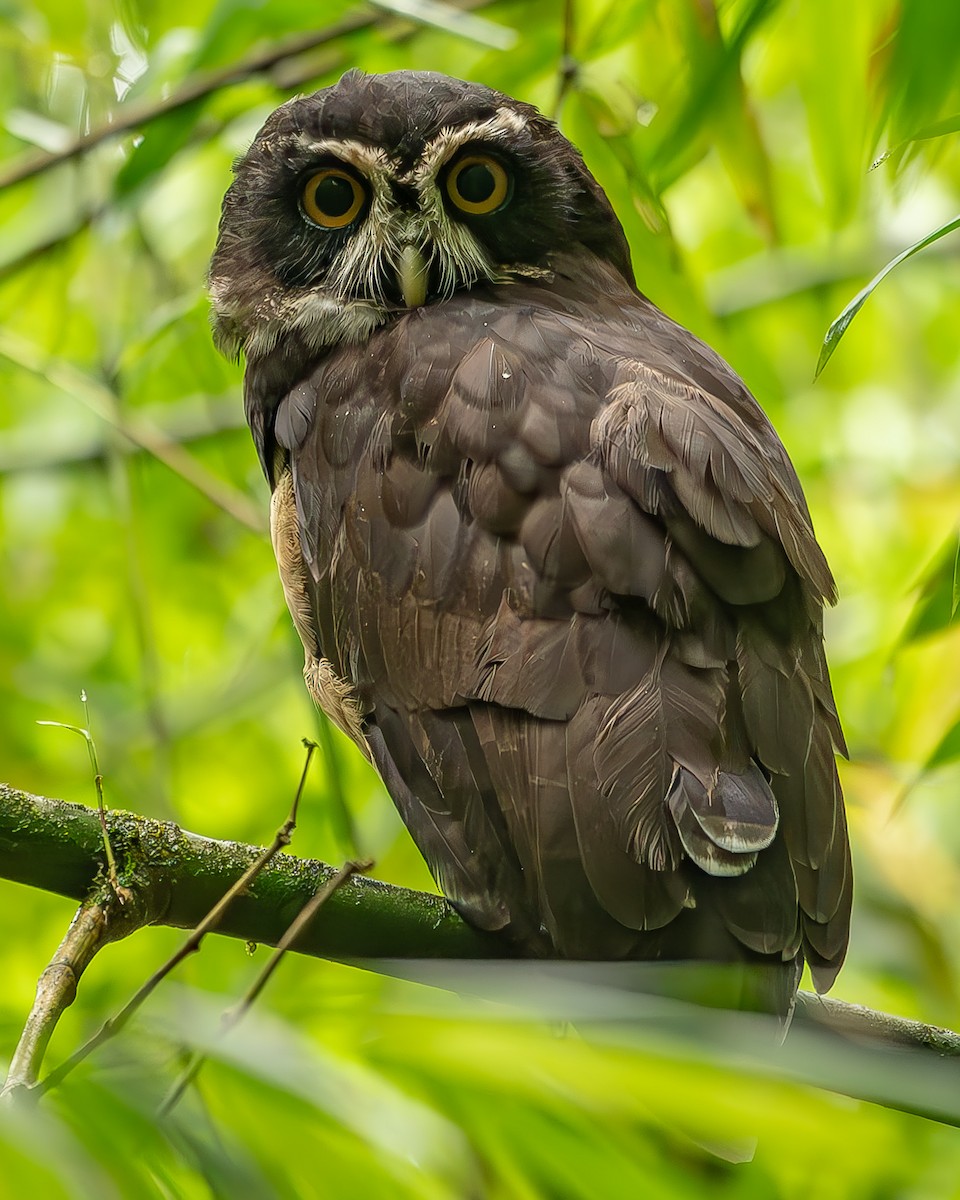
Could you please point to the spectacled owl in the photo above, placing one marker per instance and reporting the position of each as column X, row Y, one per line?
column 551, row 566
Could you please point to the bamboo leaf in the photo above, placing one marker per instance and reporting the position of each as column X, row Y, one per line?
column 955, row 598
column 937, row 606
column 453, row 21
column 842, row 323
column 947, row 750
column 928, row 133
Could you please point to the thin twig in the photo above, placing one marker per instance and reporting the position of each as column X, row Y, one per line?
column 233, row 1016
column 136, row 114
column 102, row 400
column 87, row 736
column 113, row 1025
column 101, row 806
column 568, row 66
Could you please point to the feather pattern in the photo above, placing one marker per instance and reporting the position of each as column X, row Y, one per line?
column 563, row 559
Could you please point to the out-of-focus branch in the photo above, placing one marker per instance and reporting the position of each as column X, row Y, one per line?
column 183, row 422
column 137, row 114
column 102, row 400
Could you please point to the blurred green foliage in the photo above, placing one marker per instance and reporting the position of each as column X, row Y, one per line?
column 735, row 142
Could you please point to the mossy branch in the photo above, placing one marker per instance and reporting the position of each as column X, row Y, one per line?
column 176, row 877
column 180, row 876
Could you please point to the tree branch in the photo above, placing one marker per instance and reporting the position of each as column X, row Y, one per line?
column 56, row 846
column 100, row 398
column 176, row 877
column 89, row 931
column 136, row 114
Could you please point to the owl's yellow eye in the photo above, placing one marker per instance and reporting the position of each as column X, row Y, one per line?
column 332, row 198
column 478, row 184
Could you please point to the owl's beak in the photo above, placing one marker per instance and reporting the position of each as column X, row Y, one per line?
column 412, row 274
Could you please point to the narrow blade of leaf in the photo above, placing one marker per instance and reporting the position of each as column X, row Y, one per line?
column 955, row 598
column 936, row 607
column 947, row 750
column 452, row 20
column 936, row 129
column 842, row 323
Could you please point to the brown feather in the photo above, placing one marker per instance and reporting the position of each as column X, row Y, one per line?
column 576, row 590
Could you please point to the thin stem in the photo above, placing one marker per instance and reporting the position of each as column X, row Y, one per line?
column 233, row 1016
column 101, row 806
column 568, row 66
column 84, row 732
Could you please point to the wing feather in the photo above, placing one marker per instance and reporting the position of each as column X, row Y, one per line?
column 562, row 557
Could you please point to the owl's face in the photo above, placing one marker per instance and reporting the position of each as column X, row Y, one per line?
column 386, row 192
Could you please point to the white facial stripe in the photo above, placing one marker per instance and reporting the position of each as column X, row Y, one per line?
column 503, row 124
column 375, row 251
column 375, row 246
column 380, row 168
column 370, row 161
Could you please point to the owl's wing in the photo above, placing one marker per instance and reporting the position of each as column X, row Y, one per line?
column 564, row 560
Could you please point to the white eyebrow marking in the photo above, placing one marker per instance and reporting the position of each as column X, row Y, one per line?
column 503, row 124
column 371, row 161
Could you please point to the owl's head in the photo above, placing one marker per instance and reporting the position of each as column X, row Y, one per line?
column 385, row 192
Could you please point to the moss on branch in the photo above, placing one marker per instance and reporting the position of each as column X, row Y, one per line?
column 180, row 876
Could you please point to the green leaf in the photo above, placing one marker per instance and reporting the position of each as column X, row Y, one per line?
column 837, row 101
column 452, row 20
column 715, row 64
column 939, row 601
column 928, row 133
column 947, row 750
column 955, row 598
column 160, row 142
column 839, row 327
column 919, row 75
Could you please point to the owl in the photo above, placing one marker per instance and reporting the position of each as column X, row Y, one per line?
column 551, row 566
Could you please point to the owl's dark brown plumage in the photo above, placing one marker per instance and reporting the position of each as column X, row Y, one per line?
column 551, row 566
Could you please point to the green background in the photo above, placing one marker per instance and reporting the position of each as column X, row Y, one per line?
column 735, row 142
